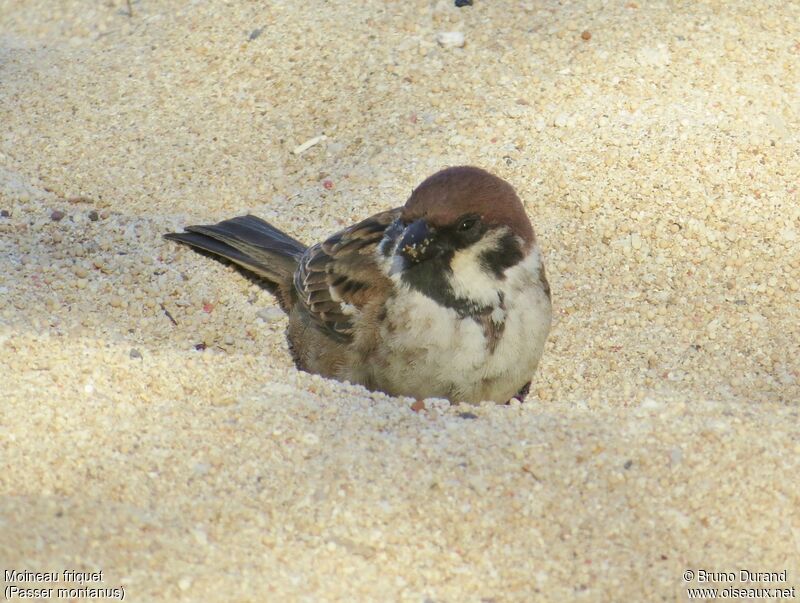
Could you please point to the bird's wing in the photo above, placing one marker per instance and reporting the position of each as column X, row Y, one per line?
column 338, row 277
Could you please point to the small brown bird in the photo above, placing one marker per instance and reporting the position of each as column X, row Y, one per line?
column 444, row 297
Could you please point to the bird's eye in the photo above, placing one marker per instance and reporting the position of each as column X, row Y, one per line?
column 467, row 224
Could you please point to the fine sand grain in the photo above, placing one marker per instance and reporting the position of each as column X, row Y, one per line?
column 152, row 425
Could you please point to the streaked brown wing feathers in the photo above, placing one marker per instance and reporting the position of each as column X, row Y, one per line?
column 338, row 277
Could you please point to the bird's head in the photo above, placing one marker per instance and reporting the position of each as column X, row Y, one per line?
column 458, row 234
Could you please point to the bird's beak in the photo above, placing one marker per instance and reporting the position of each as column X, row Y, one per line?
column 417, row 242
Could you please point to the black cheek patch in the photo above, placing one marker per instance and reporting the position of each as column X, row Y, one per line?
column 503, row 255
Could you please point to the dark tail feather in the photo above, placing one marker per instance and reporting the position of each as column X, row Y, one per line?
column 251, row 243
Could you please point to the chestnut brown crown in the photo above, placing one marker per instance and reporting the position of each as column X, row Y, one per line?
column 453, row 192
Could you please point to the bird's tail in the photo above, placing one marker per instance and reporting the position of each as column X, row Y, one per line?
column 254, row 245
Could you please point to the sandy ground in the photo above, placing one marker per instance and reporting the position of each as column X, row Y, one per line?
column 659, row 162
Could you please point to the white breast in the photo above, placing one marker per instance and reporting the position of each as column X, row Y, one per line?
column 430, row 351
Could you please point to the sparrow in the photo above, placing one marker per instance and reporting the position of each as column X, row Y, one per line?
column 444, row 297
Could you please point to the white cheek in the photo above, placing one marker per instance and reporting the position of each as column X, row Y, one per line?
column 469, row 280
